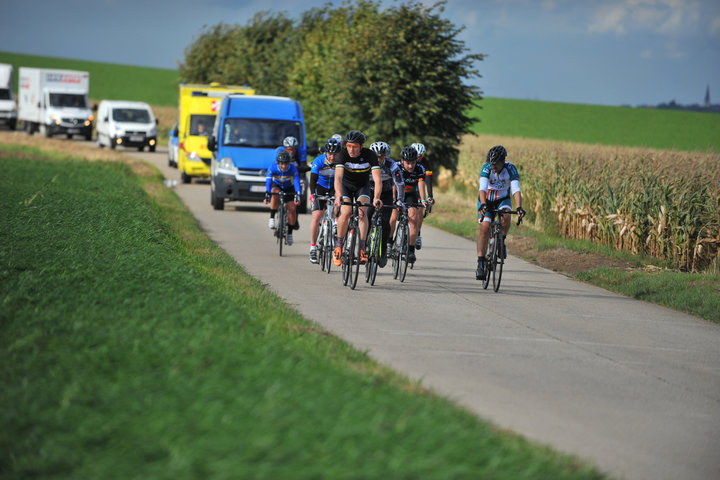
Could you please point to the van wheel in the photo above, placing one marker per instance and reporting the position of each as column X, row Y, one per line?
column 112, row 143
column 88, row 136
column 185, row 177
column 151, row 148
column 217, row 202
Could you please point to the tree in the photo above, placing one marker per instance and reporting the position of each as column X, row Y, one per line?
column 396, row 74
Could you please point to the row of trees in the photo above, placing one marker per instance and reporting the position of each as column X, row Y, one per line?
column 398, row 74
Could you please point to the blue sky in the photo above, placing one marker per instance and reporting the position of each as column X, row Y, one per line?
column 606, row 52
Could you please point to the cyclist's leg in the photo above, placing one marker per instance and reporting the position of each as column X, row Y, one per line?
column 482, row 243
column 505, row 204
column 363, row 196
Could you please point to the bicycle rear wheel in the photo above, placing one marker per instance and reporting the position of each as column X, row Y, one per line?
column 404, row 252
column 397, row 248
column 489, row 264
column 499, row 261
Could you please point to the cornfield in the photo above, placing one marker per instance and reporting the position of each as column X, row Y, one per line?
column 662, row 203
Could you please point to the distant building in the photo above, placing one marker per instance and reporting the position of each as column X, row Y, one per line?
column 707, row 97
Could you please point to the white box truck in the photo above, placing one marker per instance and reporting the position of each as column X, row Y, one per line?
column 55, row 101
column 8, row 105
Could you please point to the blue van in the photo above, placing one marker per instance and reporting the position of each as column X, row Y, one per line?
column 248, row 129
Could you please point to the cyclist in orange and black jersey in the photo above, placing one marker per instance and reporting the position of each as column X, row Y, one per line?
column 414, row 178
column 428, row 188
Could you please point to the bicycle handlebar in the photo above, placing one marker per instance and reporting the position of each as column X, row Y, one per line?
column 502, row 212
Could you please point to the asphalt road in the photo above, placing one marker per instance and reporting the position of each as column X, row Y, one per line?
column 630, row 386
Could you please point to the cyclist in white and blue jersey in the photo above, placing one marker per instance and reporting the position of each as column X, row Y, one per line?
column 283, row 178
column 322, row 182
column 393, row 190
column 499, row 181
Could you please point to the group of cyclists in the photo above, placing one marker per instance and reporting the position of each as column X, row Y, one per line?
column 348, row 171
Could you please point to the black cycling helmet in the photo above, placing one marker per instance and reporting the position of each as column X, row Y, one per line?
column 496, row 154
column 332, row 146
column 409, row 154
column 355, row 136
column 283, row 156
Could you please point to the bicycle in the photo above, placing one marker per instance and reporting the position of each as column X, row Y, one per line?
column 351, row 246
column 326, row 237
column 494, row 258
column 281, row 228
column 401, row 245
column 374, row 246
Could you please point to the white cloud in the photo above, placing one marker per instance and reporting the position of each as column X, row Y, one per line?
column 609, row 19
column 665, row 17
column 646, row 53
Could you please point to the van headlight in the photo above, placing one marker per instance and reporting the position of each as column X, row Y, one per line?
column 194, row 157
column 226, row 166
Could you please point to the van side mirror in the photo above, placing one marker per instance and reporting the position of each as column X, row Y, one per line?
column 94, row 107
column 212, row 145
column 313, row 149
column 175, row 132
column 156, row 121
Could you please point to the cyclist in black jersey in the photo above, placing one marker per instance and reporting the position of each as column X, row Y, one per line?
column 422, row 161
column 354, row 166
column 414, row 178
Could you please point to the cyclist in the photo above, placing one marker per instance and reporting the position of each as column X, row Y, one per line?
column 322, row 182
column 354, row 165
column 393, row 186
column 499, row 180
column 282, row 177
column 414, row 178
column 428, row 188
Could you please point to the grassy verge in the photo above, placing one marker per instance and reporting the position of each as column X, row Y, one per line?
column 639, row 277
column 133, row 347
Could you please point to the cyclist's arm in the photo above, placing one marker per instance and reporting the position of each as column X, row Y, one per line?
column 296, row 182
column 399, row 182
column 313, row 182
column 377, row 178
column 429, row 181
column 268, row 180
column 339, row 171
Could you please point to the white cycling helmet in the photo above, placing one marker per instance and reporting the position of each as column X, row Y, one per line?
column 381, row 149
column 419, row 147
column 289, row 142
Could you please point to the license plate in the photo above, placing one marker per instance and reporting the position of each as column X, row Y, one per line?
column 257, row 188
column 136, row 138
column 73, row 130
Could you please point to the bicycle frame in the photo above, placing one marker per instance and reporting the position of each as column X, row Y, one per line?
column 351, row 246
column 494, row 259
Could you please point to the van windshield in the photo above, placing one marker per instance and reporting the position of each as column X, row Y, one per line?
column 131, row 115
column 201, row 125
column 72, row 100
column 259, row 133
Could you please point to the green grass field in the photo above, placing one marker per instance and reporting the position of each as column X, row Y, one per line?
column 133, row 347
column 594, row 124
column 156, row 86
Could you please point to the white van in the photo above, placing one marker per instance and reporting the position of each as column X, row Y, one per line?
column 126, row 124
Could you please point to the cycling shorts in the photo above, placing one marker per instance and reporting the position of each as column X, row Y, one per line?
column 350, row 192
column 502, row 204
column 412, row 197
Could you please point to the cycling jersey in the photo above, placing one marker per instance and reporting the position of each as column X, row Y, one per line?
column 357, row 170
column 284, row 180
column 391, row 175
column 325, row 171
column 499, row 185
column 412, row 179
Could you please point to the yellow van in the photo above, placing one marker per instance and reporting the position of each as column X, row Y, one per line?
column 198, row 108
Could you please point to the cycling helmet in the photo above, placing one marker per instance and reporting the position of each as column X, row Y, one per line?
column 289, row 142
column 283, row 156
column 409, row 154
column 420, row 148
column 496, row 154
column 338, row 137
column 355, row 136
column 332, row 146
column 381, row 149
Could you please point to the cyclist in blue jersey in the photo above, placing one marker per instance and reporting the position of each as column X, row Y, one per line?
column 322, row 182
column 393, row 190
column 499, row 180
column 283, row 178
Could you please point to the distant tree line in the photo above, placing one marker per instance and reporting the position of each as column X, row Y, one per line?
column 397, row 74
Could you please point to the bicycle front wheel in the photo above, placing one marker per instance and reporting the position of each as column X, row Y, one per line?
column 376, row 253
column 355, row 264
column 404, row 252
column 489, row 265
column 499, row 261
column 281, row 228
